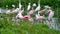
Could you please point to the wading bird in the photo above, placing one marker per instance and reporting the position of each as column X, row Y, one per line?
column 29, row 6
column 8, row 11
column 15, row 10
column 32, row 11
column 0, row 11
column 39, row 17
column 50, row 15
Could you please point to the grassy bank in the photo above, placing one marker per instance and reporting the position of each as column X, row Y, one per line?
column 24, row 27
column 27, row 29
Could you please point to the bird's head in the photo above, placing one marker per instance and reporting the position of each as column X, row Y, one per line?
column 34, row 5
column 47, row 7
column 13, row 6
column 29, row 3
column 6, row 6
column 26, row 17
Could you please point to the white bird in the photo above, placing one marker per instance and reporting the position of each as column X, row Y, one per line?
column 34, row 4
column 47, row 7
column 13, row 6
column 20, row 6
column 38, row 7
column 0, row 10
column 29, row 6
column 6, row 6
column 31, row 11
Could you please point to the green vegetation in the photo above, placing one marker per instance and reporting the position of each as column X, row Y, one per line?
column 7, row 27
column 25, row 27
column 55, row 4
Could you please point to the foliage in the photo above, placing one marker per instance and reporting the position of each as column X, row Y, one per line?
column 25, row 27
column 55, row 4
column 7, row 26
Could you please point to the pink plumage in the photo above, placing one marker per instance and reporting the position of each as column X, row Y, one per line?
column 31, row 12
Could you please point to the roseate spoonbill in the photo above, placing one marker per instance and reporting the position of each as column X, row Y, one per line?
column 26, row 17
column 42, row 12
column 31, row 19
column 20, row 15
column 31, row 11
column 8, row 12
column 29, row 6
column 15, row 10
column 46, row 9
column 49, row 12
column 50, row 15
column 39, row 17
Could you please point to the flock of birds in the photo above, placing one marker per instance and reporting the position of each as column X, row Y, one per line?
column 39, row 14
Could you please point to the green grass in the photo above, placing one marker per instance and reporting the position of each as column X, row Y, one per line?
column 25, row 27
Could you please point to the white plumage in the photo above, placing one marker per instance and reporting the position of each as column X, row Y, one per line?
column 20, row 6
column 0, row 11
column 28, row 8
column 34, row 4
column 47, row 7
column 13, row 6
column 38, row 8
column 6, row 6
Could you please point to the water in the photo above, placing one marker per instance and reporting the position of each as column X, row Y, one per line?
column 54, row 24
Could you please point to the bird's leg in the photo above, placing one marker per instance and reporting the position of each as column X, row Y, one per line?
column 41, row 21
